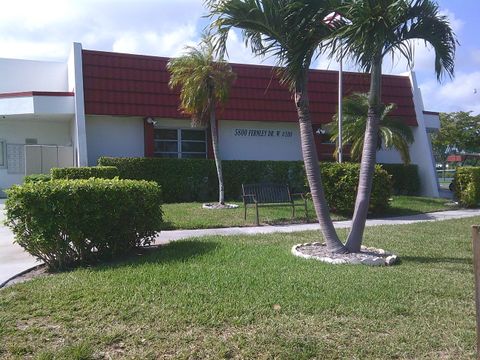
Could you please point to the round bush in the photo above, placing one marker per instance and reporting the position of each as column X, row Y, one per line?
column 70, row 222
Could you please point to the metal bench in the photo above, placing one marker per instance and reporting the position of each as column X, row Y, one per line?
column 260, row 195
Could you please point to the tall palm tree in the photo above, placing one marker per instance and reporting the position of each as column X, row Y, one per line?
column 378, row 28
column 204, row 82
column 392, row 133
column 292, row 32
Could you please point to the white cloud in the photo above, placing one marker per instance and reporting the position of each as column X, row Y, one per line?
column 457, row 95
column 239, row 53
column 158, row 27
column 154, row 43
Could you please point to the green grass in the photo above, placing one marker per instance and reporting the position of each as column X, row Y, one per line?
column 248, row 297
column 192, row 216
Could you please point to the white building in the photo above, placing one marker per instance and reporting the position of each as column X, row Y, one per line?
column 109, row 104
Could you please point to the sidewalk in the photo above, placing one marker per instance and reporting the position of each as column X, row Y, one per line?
column 14, row 260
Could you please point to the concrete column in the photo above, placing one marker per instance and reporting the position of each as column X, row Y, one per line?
column 75, row 83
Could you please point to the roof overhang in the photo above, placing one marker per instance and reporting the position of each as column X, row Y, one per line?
column 37, row 103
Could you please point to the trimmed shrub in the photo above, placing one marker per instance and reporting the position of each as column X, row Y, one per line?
column 467, row 186
column 405, row 178
column 87, row 172
column 186, row 180
column 33, row 178
column 182, row 180
column 70, row 222
column 340, row 183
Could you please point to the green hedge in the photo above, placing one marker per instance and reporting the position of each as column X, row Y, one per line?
column 70, row 222
column 185, row 180
column 100, row 172
column 467, row 185
column 181, row 180
column 33, row 178
column 405, row 178
column 340, row 183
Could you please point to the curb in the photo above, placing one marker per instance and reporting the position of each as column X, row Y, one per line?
column 3, row 284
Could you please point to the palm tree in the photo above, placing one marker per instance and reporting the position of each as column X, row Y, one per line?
column 378, row 28
column 392, row 133
column 292, row 32
column 204, row 82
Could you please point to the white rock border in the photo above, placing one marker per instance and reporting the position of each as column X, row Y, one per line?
column 214, row 206
column 384, row 258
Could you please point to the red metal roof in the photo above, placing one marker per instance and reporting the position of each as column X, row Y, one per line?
column 137, row 85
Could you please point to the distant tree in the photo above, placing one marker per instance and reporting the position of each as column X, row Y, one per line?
column 459, row 132
column 204, row 82
column 392, row 133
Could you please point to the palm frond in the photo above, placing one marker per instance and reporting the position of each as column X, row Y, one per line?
column 392, row 133
column 290, row 31
column 203, row 80
column 388, row 27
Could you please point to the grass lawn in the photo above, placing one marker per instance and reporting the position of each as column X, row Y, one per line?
column 192, row 216
column 248, row 297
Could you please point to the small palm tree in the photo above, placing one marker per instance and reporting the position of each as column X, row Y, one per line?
column 292, row 32
column 392, row 133
column 378, row 28
column 204, row 82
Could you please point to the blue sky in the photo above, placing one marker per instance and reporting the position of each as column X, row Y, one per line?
column 45, row 30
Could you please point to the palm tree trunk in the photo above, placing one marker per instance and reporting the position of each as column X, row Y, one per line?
column 312, row 168
column 216, row 155
column 367, row 165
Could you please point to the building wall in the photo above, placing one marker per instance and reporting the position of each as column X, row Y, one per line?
column 26, row 75
column 252, row 140
column 114, row 136
column 46, row 132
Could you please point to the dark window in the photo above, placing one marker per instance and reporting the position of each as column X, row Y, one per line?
column 178, row 143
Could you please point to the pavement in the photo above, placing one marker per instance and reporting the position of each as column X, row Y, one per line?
column 14, row 260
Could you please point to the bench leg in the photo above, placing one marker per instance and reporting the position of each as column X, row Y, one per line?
column 293, row 211
column 245, row 212
column 256, row 210
column 306, row 210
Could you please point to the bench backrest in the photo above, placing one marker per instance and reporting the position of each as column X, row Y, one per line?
column 266, row 193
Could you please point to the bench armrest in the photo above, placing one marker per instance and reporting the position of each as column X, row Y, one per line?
column 302, row 195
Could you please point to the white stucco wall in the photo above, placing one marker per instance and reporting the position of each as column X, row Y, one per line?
column 15, row 131
column 26, row 75
column 251, row 140
column 114, row 136
column 388, row 157
column 421, row 150
column 38, row 105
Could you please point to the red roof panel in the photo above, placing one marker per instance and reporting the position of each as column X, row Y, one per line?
column 137, row 85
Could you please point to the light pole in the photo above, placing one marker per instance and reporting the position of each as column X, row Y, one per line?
column 340, row 108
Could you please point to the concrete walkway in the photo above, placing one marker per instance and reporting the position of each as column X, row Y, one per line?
column 14, row 260
column 167, row 236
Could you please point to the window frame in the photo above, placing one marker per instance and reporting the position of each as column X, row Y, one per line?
column 3, row 156
column 179, row 142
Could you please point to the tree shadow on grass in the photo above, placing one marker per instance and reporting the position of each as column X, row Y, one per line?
column 446, row 263
column 177, row 251
column 436, row 260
